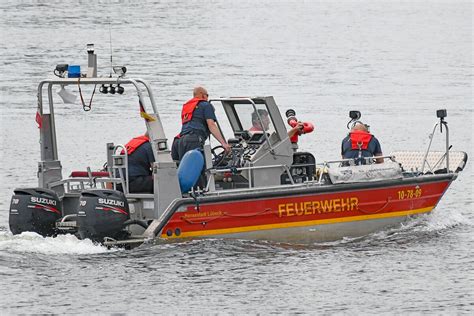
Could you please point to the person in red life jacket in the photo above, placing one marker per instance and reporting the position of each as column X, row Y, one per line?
column 140, row 161
column 199, row 121
column 264, row 125
column 360, row 144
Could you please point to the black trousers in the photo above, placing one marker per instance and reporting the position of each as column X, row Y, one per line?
column 184, row 144
column 142, row 184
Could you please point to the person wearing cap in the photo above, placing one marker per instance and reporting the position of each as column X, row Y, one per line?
column 198, row 120
column 360, row 144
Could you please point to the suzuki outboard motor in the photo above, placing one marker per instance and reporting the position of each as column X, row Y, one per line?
column 34, row 210
column 102, row 213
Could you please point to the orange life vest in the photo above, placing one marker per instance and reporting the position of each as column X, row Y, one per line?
column 188, row 109
column 136, row 142
column 360, row 138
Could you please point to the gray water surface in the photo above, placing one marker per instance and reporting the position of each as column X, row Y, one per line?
column 395, row 61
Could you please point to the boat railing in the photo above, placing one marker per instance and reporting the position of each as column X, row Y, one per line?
column 78, row 184
column 420, row 163
column 322, row 168
column 48, row 139
column 441, row 115
column 116, row 174
column 120, row 166
column 214, row 171
column 352, row 161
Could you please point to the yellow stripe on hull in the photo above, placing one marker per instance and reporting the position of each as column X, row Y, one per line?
column 244, row 229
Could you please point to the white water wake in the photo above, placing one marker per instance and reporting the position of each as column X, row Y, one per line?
column 30, row 242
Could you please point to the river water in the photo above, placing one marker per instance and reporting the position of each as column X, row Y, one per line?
column 395, row 61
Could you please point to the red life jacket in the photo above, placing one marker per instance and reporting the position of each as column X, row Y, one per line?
column 136, row 142
column 255, row 129
column 361, row 138
column 188, row 109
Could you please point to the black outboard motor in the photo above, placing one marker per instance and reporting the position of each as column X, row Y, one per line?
column 34, row 210
column 102, row 213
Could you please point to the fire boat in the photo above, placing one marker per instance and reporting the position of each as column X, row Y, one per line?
column 264, row 189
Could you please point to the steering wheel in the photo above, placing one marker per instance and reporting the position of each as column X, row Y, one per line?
column 218, row 155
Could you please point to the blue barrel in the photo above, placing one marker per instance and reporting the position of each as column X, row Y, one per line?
column 190, row 169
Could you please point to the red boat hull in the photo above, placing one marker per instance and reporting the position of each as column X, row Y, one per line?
column 307, row 216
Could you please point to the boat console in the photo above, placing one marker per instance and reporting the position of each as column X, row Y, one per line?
column 243, row 149
column 261, row 149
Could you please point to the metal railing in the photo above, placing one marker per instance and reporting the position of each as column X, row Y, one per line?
column 348, row 162
column 119, row 165
column 441, row 123
column 284, row 168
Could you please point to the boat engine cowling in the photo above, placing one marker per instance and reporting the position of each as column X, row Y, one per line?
column 34, row 210
column 102, row 213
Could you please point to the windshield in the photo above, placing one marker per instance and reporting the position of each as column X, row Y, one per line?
column 254, row 121
column 234, row 118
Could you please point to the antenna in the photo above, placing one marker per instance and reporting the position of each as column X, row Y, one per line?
column 110, row 40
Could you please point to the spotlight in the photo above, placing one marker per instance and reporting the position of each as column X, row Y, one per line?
column 120, row 89
column 112, row 89
column 90, row 48
column 103, row 89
